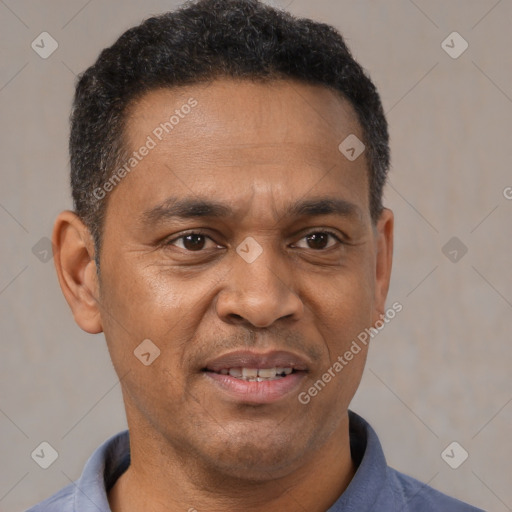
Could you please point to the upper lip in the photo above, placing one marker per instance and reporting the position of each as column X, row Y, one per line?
column 248, row 359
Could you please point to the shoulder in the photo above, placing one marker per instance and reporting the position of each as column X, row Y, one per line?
column 376, row 486
column 419, row 497
column 61, row 501
column 89, row 492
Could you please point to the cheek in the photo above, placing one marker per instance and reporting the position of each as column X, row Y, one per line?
column 145, row 300
column 343, row 312
column 148, row 302
column 344, row 305
column 146, row 315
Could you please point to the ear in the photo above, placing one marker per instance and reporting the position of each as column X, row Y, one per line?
column 76, row 270
column 383, row 261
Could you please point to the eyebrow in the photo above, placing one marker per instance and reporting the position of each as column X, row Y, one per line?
column 190, row 208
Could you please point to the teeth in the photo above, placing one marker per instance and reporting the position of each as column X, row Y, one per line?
column 267, row 372
column 249, row 372
column 257, row 374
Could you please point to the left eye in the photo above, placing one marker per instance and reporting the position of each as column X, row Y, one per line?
column 319, row 239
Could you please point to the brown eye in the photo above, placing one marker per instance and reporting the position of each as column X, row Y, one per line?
column 319, row 240
column 193, row 242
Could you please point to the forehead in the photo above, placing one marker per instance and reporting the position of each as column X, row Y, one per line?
column 240, row 138
column 267, row 109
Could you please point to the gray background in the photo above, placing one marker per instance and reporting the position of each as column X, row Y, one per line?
column 440, row 372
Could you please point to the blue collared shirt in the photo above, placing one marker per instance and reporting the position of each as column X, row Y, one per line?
column 375, row 486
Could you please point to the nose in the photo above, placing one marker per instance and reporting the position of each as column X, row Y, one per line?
column 259, row 293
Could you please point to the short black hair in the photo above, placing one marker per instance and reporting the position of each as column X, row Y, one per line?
column 201, row 41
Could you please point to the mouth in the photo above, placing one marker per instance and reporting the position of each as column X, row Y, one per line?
column 256, row 374
column 251, row 378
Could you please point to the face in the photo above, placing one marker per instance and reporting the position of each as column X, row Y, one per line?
column 240, row 243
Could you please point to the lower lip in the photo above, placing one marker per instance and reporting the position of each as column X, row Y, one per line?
column 263, row 392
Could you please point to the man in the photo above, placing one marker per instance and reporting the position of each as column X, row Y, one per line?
column 227, row 167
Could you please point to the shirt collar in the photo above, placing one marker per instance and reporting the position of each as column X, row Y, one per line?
column 112, row 458
column 371, row 473
column 101, row 471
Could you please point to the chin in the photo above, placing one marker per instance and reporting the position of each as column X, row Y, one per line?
column 257, row 456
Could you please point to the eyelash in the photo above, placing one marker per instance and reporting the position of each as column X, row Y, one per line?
column 201, row 233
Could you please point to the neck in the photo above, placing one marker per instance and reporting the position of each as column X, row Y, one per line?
column 159, row 481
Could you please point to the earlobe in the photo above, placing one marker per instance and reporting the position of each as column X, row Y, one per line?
column 76, row 270
column 383, row 262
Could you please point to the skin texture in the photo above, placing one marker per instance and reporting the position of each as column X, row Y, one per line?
column 257, row 147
